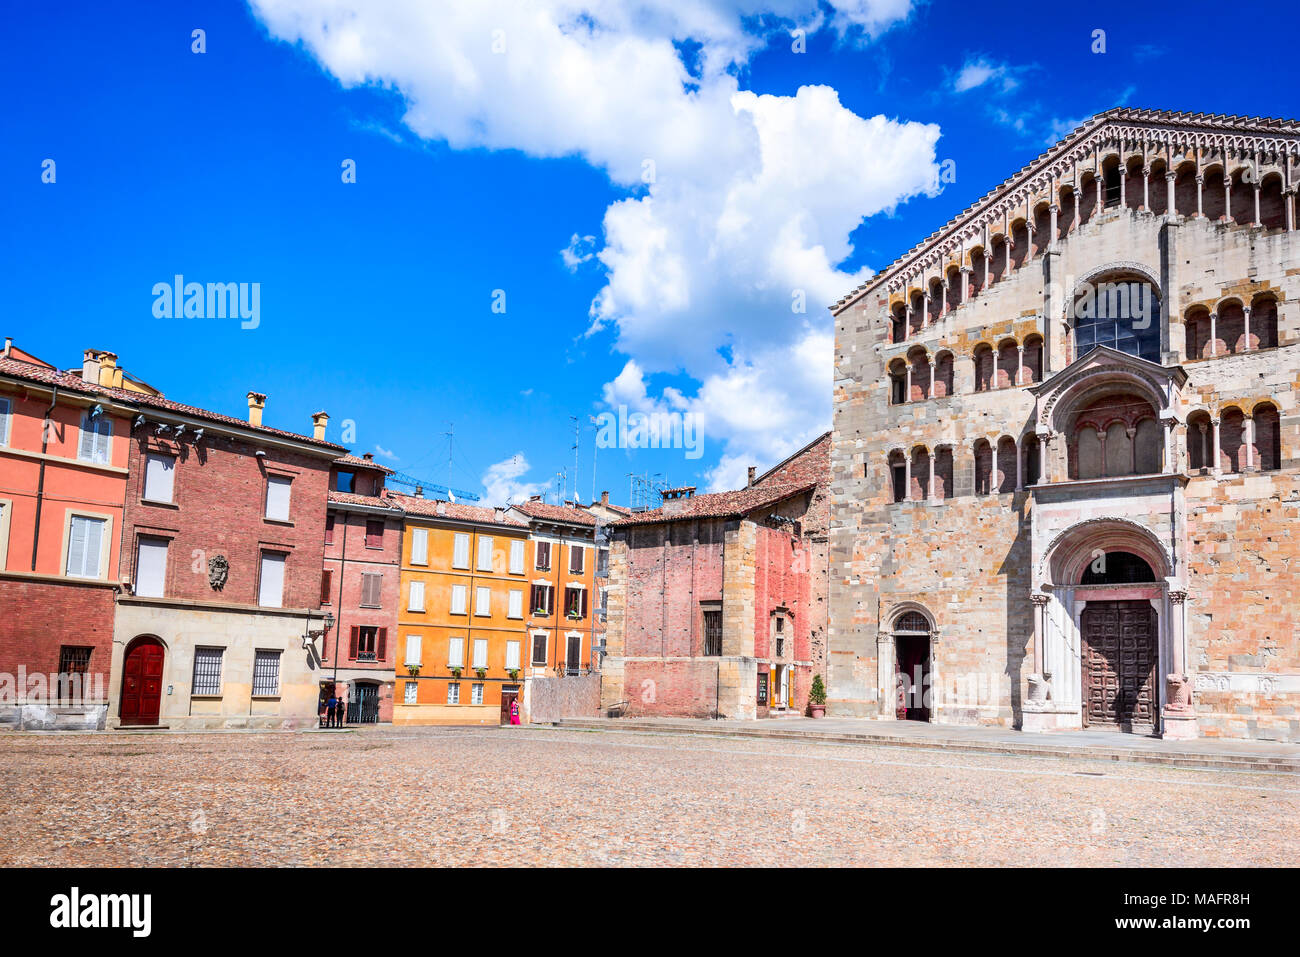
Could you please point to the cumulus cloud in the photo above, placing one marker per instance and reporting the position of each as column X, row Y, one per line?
column 385, row 453
column 977, row 71
column 729, row 245
column 503, row 485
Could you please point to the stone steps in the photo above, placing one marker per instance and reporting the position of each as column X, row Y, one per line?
column 1174, row 756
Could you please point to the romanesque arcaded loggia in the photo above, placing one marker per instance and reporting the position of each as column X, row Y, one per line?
column 1064, row 472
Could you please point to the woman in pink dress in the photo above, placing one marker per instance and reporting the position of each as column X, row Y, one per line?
column 514, row 711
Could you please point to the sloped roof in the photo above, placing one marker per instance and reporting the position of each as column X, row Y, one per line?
column 812, row 463
column 544, row 511
column 454, row 511
column 371, row 501
column 718, row 504
column 354, row 461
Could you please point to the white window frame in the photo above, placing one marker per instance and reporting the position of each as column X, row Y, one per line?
column 483, row 601
column 476, row 693
column 149, row 493
column 516, row 556
column 414, row 649
column 411, row 693
column 415, row 597
column 484, row 563
column 453, row 692
column 106, row 536
column 6, row 508
column 455, row 652
column 419, row 546
column 279, row 481
column 459, row 599
column 261, row 577
column 516, row 606
column 480, row 653
column 460, row 550
column 512, row 655
column 151, row 540
column 101, row 446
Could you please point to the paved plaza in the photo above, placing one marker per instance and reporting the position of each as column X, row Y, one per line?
column 542, row 796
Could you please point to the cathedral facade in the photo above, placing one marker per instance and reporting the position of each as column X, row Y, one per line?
column 1065, row 473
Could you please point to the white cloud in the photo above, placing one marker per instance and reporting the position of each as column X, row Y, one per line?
column 502, row 481
column 979, row 70
column 384, row 453
column 740, row 205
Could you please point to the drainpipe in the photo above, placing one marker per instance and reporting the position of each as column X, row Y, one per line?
column 40, row 482
column 338, row 619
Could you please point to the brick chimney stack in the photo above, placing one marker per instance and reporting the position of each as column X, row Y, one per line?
column 256, row 403
column 753, row 470
column 318, row 422
column 604, row 498
column 89, row 366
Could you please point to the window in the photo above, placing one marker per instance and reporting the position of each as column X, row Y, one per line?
column 541, row 600
column 573, row 662
column 420, row 546
column 456, row 653
column 602, row 563
column 413, row 650
column 539, row 649
column 517, row 557
column 5, row 408
column 345, row 481
column 329, row 529
column 483, row 601
column 159, row 472
column 453, row 693
column 207, row 671
column 372, row 584
column 480, row 653
column 516, row 609
column 150, row 567
column 485, row 553
column 575, row 602
column 266, row 673
column 1124, row 315
column 712, row 631
column 74, row 662
column 326, row 586
column 96, row 439
column 368, row 643
column 271, row 588
column 543, row 556
column 603, row 607
column 460, row 553
column 898, row 475
column 459, row 596
column 86, row 546
column 409, row 694
column 416, row 600
column 375, row 533
column 577, row 559
column 277, row 497
column 512, row 655
column 476, row 693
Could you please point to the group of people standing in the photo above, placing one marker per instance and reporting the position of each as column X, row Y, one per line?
column 335, row 711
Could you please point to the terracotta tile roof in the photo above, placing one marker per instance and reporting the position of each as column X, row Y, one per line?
column 544, row 511
column 718, row 504
column 374, row 501
column 456, row 511
column 353, row 461
column 812, row 463
column 25, row 370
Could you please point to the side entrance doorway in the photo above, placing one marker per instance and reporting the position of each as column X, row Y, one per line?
column 1119, row 666
column 913, row 664
column 142, row 671
column 363, row 703
column 509, row 694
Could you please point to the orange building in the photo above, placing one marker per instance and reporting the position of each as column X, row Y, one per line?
column 464, row 588
column 562, row 598
column 64, row 446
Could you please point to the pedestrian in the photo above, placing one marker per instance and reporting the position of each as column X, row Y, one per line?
column 514, row 711
column 331, row 709
column 343, row 703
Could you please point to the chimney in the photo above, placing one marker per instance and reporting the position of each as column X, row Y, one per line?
column 752, row 471
column 89, row 364
column 499, row 514
column 256, row 403
column 318, row 422
column 108, row 374
column 534, row 498
column 604, row 498
column 419, row 491
column 369, row 456
column 441, row 508
column 9, row 345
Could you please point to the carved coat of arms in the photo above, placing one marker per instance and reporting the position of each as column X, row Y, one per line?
column 218, row 571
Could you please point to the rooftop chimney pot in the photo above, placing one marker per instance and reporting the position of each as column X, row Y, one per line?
column 752, row 472
column 256, row 403
column 318, row 421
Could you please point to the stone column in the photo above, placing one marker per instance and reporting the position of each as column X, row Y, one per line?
column 1171, row 207
column 1169, row 447
column 1205, row 449
column 1020, row 472
column 885, row 675
column 907, row 476
column 993, row 377
column 1146, row 188
column 1123, row 181
column 929, row 364
column 1289, row 201
column 933, row 455
column 1227, row 195
column 925, row 305
column 1200, row 184
column 1256, row 220
column 1020, row 363
column 1248, row 440
column 1216, row 446
column 1132, row 451
column 1246, row 311
column 1101, row 195
column 1214, row 334
column 965, row 284
column 908, row 361
column 1054, row 210
column 1180, row 711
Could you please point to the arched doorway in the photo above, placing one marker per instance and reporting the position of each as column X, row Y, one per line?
column 912, row 666
column 1119, row 648
column 142, row 671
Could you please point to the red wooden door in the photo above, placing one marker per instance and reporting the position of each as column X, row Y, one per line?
column 142, row 682
column 1119, row 665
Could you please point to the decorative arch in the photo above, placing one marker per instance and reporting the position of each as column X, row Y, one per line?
column 899, row 613
column 1073, row 550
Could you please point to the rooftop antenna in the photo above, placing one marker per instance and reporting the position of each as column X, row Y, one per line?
column 577, row 436
column 450, row 433
column 595, row 447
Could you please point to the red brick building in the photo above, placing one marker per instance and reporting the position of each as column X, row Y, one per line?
column 222, row 550
column 717, row 602
column 361, row 587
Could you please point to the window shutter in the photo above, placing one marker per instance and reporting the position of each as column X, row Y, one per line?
column 456, row 652
column 458, row 596
column 77, row 547
column 483, row 601
column 420, row 546
column 413, row 649
column 277, row 497
column 151, row 567
column 516, row 557
column 271, row 592
column 416, row 599
column 516, row 604
column 4, row 421
column 480, row 652
column 485, row 553
column 381, row 648
column 512, row 654
column 326, row 583
column 460, row 558
column 159, row 471
column 103, row 439
column 85, row 543
column 371, row 588
column 582, row 602
column 375, row 533
column 575, row 559
column 86, row 449
column 329, row 529
column 353, row 641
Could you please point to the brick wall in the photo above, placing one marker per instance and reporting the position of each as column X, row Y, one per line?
column 41, row 616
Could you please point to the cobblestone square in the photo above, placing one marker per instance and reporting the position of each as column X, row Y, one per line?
column 537, row 796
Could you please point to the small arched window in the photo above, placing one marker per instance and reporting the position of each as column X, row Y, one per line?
column 911, row 622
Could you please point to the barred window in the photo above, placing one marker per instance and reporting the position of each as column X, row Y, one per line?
column 712, row 631
column 266, row 673
column 207, row 671
column 912, row 622
column 74, row 662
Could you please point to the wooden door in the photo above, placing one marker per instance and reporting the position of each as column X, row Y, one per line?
column 507, row 698
column 1119, row 665
column 142, row 670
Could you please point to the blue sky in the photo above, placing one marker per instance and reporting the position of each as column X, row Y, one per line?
column 477, row 167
